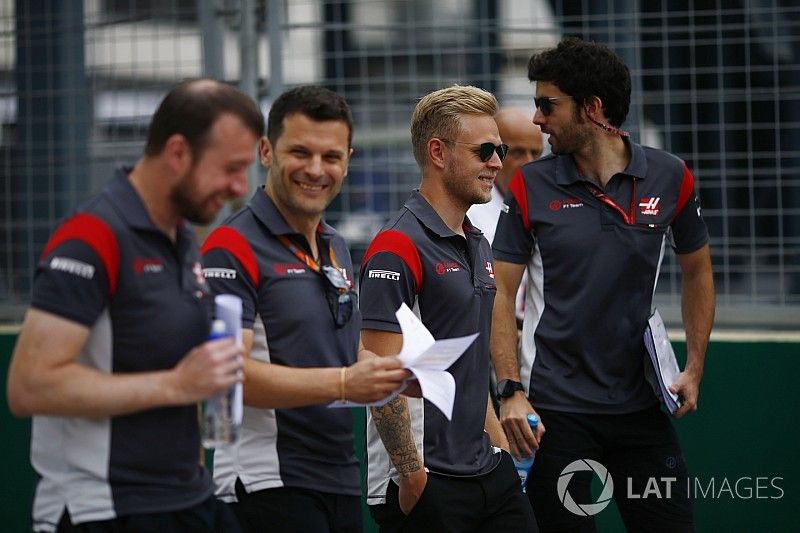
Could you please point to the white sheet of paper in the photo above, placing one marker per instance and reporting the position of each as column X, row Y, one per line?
column 228, row 308
column 416, row 337
column 438, row 387
column 441, row 354
column 664, row 367
column 428, row 359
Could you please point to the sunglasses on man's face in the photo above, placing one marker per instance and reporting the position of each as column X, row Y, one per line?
column 545, row 103
column 340, row 301
column 485, row 150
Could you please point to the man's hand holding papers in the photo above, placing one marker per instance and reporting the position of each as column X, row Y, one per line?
column 428, row 360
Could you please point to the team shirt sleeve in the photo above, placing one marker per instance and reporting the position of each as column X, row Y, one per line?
column 71, row 282
column 513, row 242
column 386, row 283
column 688, row 229
column 225, row 274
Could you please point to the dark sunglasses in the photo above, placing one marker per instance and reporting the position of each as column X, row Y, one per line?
column 341, row 300
column 485, row 150
column 545, row 103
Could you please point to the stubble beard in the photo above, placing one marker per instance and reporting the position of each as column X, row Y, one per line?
column 458, row 186
column 281, row 191
column 181, row 197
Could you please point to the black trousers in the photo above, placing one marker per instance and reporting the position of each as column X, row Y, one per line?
column 210, row 516
column 490, row 503
column 295, row 510
column 640, row 452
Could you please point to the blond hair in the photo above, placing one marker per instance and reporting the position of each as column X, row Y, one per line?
column 438, row 114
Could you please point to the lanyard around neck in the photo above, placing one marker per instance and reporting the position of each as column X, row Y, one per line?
column 630, row 216
column 304, row 257
column 597, row 192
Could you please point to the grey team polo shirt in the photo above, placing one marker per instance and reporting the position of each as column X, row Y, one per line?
column 448, row 282
column 593, row 266
column 284, row 302
column 147, row 305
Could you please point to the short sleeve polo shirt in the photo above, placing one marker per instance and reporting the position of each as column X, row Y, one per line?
column 448, row 281
column 593, row 259
column 147, row 305
column 284, row 302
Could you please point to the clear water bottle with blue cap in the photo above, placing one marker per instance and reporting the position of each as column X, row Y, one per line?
column 219, row 428
column 525, row 464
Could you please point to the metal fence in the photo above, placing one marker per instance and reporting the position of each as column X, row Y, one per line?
column 715, row 82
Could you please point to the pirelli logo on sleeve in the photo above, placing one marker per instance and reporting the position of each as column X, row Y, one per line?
column 72, row 266
column 219, row 273
column 383, row 274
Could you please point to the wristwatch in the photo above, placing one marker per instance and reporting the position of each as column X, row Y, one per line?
column 507, row 387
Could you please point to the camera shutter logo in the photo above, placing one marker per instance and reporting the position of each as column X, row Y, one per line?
column 585, row 509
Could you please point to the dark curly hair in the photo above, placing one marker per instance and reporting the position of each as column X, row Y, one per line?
column 583, row 69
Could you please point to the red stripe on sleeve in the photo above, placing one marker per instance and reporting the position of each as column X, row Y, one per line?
column 397, row 243
column 233, row 242
column 687, row 188
column 517, row 188
column 94, row 232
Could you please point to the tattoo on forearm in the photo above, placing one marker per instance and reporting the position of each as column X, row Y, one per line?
column 394, row 426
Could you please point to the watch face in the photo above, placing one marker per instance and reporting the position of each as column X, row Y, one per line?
column 507, row 387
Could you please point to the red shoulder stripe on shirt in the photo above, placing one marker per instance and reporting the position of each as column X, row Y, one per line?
column 397, row 243
column 95, row 233
column 687, row 188
column 233, row 242
column 517, row 188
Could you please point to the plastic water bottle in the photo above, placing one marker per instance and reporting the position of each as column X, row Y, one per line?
column 525, row 464
column 219, row 428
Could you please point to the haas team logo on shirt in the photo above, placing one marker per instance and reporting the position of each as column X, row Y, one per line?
column 649, row 206
column 489, row 269
column 444, row 268
column 147, row 265
column 283, row 269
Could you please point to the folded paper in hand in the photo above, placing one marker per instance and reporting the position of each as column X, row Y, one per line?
column 660, row 367
column 428, row 359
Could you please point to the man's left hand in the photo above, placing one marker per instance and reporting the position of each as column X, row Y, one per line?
column 687, row 387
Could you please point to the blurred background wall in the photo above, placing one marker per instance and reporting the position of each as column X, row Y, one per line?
column 715, row 81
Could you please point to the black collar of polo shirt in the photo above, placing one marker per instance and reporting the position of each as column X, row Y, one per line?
column 567, row 172
column 469, row 227
column 426, row 214
column 267, row 213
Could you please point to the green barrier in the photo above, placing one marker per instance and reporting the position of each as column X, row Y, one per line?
column 18, row 480
column 740, row 446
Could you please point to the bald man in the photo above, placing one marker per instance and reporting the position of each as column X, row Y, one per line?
column 524, row 140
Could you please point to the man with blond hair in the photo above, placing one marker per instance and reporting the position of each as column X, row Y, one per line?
column 425, row 472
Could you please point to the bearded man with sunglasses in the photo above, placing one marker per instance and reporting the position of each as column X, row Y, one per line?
column 592, row 222
column 294, row 468
column 427, row 473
